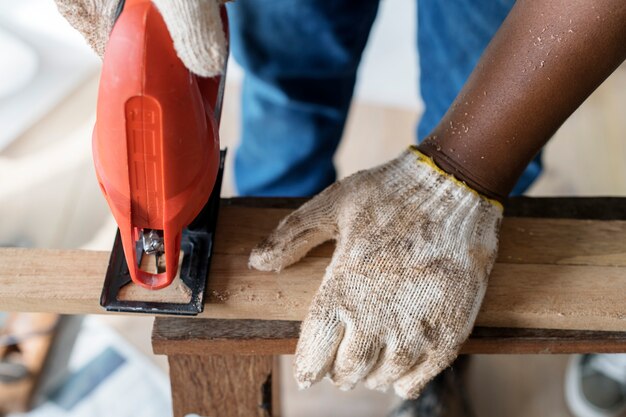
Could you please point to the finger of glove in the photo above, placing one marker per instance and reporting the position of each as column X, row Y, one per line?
column 356, row 356
column 411, row 385
column 196, row 29
column 92, row 18
column 316, row 349
column 393, row 363
column 299, row 232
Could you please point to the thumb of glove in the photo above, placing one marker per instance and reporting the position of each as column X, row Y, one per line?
column 312, row 224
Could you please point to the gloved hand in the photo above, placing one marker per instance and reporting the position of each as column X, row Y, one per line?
column 195, row 27
column 414, row 251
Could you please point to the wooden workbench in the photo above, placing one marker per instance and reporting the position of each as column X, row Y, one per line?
column 558, row 286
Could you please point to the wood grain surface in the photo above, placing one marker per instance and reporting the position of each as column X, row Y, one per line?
column 225, row 386
column 551, row 273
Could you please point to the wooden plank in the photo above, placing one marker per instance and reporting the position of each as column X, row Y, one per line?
column 551, row 273
column 523, row 240
column 175, row 336
column 170, row 336
column 495, row 340
column 519, row 295
column 222, row 385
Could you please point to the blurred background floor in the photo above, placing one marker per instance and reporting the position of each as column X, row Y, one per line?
column 49, row 197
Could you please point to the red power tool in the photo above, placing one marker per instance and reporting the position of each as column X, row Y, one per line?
column 158, row 161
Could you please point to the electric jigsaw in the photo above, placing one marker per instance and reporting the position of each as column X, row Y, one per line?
column 158, row 161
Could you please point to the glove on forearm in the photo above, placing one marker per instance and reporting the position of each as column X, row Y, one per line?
column 414, row 250
column 195, row 27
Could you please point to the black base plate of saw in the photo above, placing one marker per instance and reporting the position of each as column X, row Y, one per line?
column 197, row 247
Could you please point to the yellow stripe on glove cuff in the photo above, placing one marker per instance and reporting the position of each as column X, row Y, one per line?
column 429, row 161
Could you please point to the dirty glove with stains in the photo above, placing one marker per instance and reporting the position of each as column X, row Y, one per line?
column 195, row 27
column 414, row 251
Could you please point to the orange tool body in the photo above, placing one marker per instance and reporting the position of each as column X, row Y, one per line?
column 155, row 142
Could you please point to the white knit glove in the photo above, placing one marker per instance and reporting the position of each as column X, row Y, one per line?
column 414, row 251
column 195, row 27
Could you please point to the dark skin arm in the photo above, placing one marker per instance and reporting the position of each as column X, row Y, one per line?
column 544, row 61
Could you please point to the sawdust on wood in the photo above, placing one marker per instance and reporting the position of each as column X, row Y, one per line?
column 177, row 292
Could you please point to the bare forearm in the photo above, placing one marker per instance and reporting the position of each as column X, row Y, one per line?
column 547, row 57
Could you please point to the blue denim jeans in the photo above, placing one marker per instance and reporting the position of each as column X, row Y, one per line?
column 300, row 59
